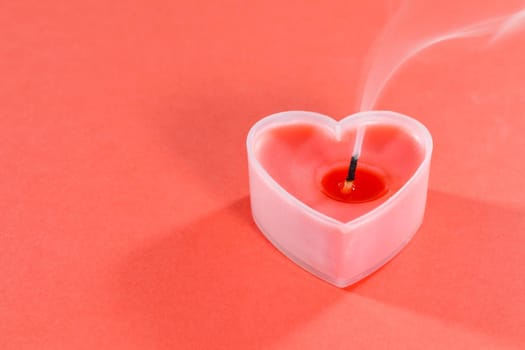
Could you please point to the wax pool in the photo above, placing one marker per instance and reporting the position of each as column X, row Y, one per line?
column 300, row 155
column 367, row 186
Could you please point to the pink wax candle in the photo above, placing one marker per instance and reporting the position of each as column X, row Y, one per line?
column 297, row 163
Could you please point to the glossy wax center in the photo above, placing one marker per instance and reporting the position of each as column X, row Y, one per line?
column 367, row 186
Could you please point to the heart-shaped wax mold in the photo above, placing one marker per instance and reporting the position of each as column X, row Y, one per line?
column 290, row 152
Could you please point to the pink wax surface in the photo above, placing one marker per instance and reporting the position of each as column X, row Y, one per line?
column 297, row 155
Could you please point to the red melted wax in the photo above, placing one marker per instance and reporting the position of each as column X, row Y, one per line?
column 368, row 185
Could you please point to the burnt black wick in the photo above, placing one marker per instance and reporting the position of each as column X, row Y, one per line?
column 348, row 186
column 352, row 168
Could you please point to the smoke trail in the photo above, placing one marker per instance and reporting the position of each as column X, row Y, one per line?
column 400, row 42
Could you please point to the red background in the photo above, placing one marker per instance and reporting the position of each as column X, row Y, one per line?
column 124, row 212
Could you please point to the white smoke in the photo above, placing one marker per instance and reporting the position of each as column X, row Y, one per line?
column 400, row 42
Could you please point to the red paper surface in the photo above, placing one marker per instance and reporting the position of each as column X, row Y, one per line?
column 124, row 212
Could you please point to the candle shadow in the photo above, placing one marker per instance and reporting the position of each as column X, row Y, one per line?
column 464, row 266
column 218, row 283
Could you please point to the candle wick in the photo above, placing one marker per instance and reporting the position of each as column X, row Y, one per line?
column 358, row 143
column 352, row 168
column 350, row 177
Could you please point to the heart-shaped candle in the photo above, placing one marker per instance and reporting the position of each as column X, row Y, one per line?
column 297, row 164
